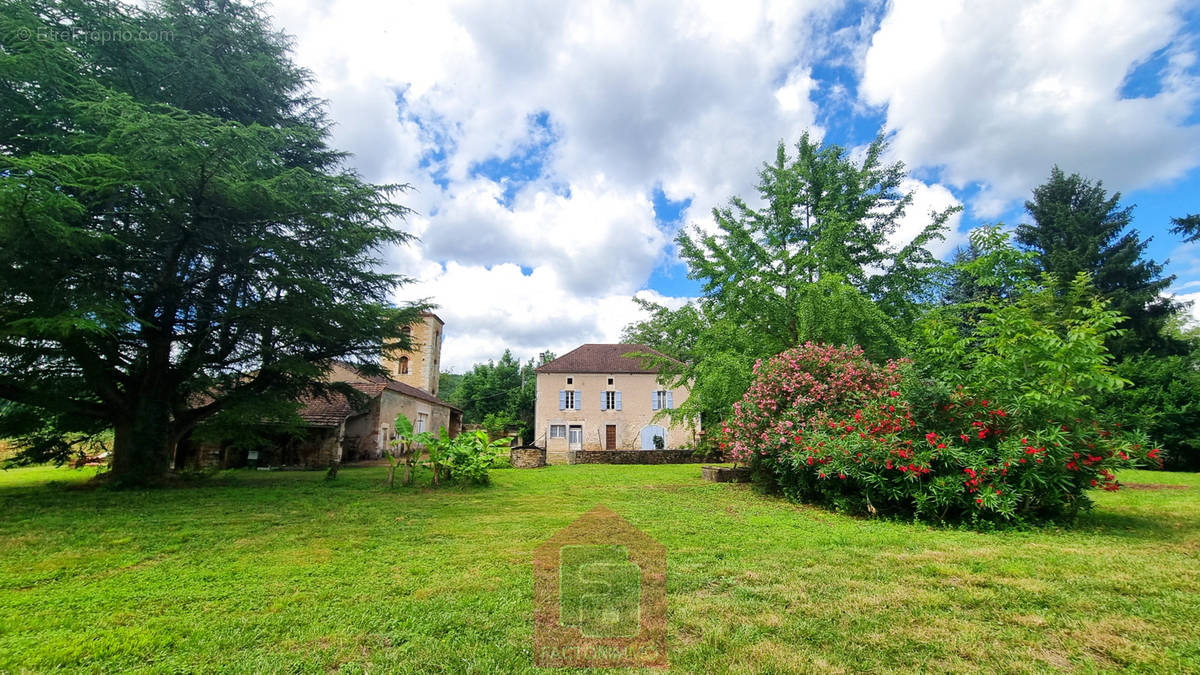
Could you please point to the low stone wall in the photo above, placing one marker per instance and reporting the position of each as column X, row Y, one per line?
column 725, row 474
column 634, row 457
column 527, row 458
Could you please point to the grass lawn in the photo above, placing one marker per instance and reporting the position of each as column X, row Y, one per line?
column 282, row 571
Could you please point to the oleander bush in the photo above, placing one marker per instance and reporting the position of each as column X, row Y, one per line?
column 995, row 424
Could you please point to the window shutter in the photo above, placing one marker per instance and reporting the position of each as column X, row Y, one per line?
column 603, row 401
column 618, row 400
column 578, row 400
column 670, row 403
column 654, row 400
column 562, row 399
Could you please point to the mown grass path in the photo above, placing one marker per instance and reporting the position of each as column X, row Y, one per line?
column 280, row 571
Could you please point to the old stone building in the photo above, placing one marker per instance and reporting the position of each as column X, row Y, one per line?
column 339, row 430
column 368, row 430
column 597, row 397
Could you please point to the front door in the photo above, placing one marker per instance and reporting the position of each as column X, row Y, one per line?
column 575, row 437
column 610, row 437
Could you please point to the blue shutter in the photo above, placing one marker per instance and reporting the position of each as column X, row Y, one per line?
column 654, row 400
column 618, row 400
column 578, row 400
column 670, row 403
column 562, row 400
column 603, row 401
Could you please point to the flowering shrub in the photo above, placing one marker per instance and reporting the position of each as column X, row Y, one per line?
column 795, row 385
column 825, row 425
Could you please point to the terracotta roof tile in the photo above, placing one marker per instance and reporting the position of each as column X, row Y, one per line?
column 333, row 408
column 398, row 387
column 602, row 358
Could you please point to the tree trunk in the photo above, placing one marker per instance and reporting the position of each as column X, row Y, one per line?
column 143, row 446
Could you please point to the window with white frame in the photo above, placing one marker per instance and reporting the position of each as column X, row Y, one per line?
column 662, row 400
column 568, row 399
column 422, row 422
column 610, row 400
column 558, row 431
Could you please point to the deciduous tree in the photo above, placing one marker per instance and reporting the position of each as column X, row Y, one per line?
column 815, row 262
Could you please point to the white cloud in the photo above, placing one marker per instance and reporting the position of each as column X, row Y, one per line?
column 927, row 200
column 997, row 92
column 489, row 309
column 1194, row 299
column 598, row 240
column 688, row 96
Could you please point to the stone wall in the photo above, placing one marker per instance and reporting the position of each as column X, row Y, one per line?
column 364, row 432
column 634, row 457
column 725, row 474
column 527, row 458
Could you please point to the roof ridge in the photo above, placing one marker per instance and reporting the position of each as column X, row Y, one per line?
column 604, row 357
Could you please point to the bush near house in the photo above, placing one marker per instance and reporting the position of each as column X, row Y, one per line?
column 825, row 425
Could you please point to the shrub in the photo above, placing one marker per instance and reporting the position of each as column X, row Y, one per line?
column 470, row 455
column 791, row 388
column 825, row 425
column 497, row 424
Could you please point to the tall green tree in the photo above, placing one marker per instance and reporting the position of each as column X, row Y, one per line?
column 177, row 240
column 815, row 262
column 1078, row 227
column 489, row 388
column 504, row 391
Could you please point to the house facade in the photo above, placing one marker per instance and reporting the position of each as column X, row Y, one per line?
column 368, row 430
column 598, row 398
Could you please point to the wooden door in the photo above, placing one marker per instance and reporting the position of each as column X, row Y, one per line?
column 610, row 437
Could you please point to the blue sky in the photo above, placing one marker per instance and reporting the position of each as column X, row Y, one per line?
column 555, row 149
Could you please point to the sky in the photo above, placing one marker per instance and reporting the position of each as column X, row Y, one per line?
column 554, row 149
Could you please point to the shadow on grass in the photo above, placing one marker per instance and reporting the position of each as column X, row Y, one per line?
column 1143, row 527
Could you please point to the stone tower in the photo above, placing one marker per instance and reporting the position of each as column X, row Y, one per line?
column 419, row 367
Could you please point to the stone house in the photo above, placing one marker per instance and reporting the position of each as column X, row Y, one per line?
column 598, row 398
column 336, row 429
column 369, row 429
